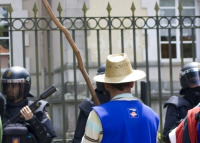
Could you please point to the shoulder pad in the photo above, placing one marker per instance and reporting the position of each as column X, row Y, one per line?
column 30, row 95
column 86, row 105
column 42, row 103
column 177, row 101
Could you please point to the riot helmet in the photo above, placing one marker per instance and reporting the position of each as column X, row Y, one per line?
column 190, row 75
column 102, row 94
column 16, row 76
column 101, row 70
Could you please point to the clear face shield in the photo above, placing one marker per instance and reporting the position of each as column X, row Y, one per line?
column 192, row 77
column 12, row 88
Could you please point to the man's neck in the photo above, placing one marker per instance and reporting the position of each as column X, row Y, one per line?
column 114, row 93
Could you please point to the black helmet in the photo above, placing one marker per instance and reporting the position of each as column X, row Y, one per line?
column 189, row 75
column 102, row 94
column 101, row 70
column 17, row 75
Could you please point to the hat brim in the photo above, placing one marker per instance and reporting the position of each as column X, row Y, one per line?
column 134, row 76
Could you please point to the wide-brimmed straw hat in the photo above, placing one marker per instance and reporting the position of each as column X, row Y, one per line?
column 119, row 70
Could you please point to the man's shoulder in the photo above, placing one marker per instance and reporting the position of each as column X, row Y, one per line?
column 177, row 101
column 86, row 105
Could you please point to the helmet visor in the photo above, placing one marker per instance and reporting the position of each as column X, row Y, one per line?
column 193, row 79
column 12, row 90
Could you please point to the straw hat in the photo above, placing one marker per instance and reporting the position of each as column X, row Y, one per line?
column 119, row 70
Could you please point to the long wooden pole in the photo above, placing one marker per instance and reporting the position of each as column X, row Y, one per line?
column 75, row 49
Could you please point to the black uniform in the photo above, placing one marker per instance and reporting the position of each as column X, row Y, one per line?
column 36, row 130
column 178, row 106
column 16, row 84
column 86, row 106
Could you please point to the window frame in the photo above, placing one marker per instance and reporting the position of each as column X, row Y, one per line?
column 178, row 41
column 6, row 38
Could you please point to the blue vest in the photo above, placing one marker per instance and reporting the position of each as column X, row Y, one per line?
column 198, row 131
column 127, row 122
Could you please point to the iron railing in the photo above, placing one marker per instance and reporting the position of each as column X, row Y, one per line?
column 66, row 76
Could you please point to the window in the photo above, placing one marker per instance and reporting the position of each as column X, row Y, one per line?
column 170, row 8
column 4, row 37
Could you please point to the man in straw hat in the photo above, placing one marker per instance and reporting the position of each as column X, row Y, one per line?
column 124, row 119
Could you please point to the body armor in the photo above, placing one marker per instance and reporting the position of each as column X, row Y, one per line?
column 177, row 108
column 37, row 130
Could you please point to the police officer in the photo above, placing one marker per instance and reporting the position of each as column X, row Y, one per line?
column 87, row 104
column 178, row 106
column 33, row 127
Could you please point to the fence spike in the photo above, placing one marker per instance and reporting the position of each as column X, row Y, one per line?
column 156, row 8
column 84, row 9
column 59, row 9
column 109, row 9
column 10, row 9
column 180, row 8
column 35, row 9
column 133, row 9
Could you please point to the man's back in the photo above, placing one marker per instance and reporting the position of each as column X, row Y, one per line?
column 129, row 121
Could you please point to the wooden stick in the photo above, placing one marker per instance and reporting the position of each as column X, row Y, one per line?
column 76, row 51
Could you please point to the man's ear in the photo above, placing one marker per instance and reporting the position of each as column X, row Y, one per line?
column 106, row 86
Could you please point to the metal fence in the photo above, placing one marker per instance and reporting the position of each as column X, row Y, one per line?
column 51, row 65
